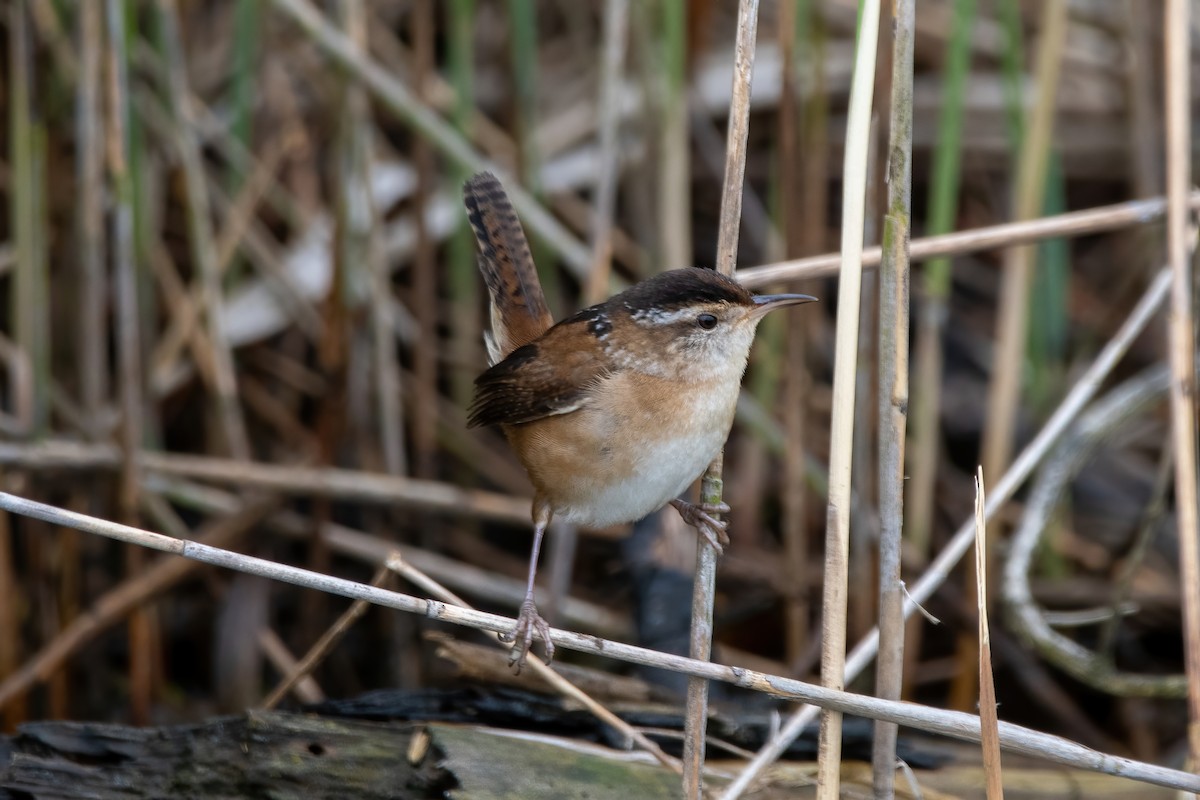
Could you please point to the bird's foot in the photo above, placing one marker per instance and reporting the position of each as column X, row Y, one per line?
column 529, row 621
column 700, row 516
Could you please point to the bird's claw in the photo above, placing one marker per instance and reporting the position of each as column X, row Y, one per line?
column 529, row 621
column 700, row 516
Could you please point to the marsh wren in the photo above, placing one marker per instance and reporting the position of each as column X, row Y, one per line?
column 615, row 411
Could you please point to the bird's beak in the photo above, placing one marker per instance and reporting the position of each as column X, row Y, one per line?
column 769, row 302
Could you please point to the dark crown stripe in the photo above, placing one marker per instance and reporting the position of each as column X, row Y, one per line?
column 677, row 288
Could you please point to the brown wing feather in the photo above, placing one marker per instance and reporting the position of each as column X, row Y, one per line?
column 554, row 375
column 519, row 310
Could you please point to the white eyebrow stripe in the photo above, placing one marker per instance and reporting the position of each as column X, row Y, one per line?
column 659, row 316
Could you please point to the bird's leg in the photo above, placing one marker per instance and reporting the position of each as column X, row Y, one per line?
column 700, row 516
column 529, row 620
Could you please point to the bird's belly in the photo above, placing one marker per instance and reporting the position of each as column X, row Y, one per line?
column 669, row 467
column 597, row 467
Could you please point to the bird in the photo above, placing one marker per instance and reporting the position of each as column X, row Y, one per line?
column 615, row 411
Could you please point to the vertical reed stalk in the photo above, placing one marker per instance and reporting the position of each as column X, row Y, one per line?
column 1181, row 332
column 92, row 286
column 30, row 294
column 246, row 45
column 704, row 585
column 893, row 389
column 837, row 530
column 142, row 624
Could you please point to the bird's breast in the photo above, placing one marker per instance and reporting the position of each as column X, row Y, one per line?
column 637, row 443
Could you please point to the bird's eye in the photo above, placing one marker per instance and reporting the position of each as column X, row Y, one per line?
column 706, row 321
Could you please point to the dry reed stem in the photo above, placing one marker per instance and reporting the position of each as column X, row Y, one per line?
column 892, row 401
column 1013, row 738
column 324, row 645
column 837, row 531
column 989, row 723
column 935, row 575
column 1181, row 341
column 275, row 651
column 711, row 485
column 344, row 484
column 397, row 562
column 1073, row 223
column 330, row 482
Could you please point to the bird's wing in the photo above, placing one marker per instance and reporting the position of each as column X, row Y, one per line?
column 532, row 384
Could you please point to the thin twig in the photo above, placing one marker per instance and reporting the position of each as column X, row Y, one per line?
column 343, row 484
column 958, row 725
